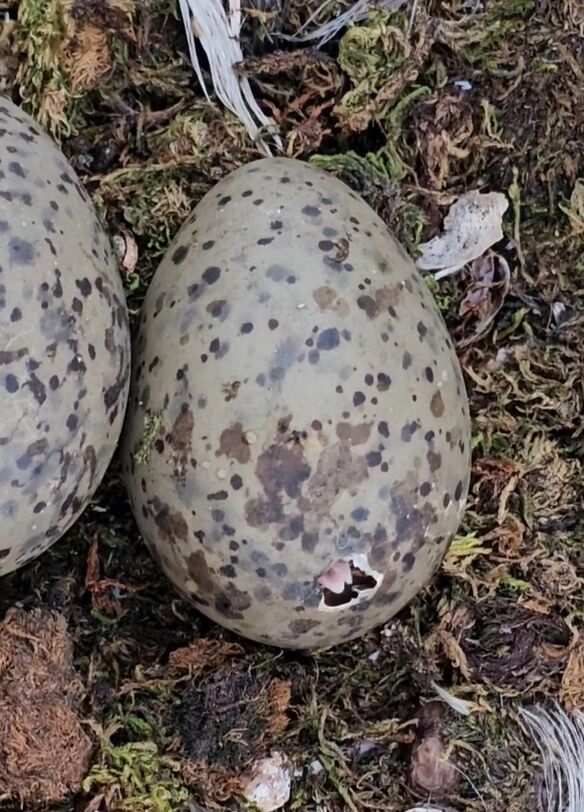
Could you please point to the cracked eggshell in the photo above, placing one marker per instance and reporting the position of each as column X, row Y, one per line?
column 64, row 343
column 297, row 444
column 268, row 784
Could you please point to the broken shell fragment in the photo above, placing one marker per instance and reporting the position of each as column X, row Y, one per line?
column 472, row 225
column 268, row 786
column 289, row 342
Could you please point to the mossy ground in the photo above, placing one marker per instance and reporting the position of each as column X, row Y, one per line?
column 500, row 625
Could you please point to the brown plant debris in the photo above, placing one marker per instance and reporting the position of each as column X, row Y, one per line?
column 44, row 751
column 229, row 713
column 299, row 88
column 430, row 769
column 514, row 648
column 103, row 590
column 572, row 688
column 202, row 655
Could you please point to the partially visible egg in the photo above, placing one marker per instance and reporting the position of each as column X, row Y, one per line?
column 297, row 449
column 64, row 343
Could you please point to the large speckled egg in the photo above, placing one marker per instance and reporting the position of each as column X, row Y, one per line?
column 64, row 343
column 297, row 443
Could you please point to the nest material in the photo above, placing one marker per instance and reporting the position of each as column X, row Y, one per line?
column 44, row 751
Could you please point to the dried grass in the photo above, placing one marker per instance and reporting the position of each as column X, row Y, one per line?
column 44, row 751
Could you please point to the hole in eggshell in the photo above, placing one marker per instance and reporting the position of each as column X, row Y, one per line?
column 347, row 582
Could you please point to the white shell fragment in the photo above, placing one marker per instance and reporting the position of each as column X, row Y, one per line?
column 472, row 225
column 431, row 808
column 269, row 785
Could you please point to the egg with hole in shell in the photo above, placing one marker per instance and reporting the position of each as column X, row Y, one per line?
column 64, row 343
column 297, row 449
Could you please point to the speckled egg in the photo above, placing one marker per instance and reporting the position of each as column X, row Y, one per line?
column 297, row 444
column 64, row 343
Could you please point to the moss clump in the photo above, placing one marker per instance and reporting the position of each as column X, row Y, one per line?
column 65, row 53
column 138, row 777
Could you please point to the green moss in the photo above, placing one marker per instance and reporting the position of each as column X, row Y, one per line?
column 442, row 292
column 152, row 429
column 510, row 584
column 370, row 51
column 370, row 54
column 40, row 35
column 481, row 38
column 139, row 777
column 512, row 8
column 375, row 167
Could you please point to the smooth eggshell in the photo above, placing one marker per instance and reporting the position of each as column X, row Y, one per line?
column 298, row 417
column 64, row 343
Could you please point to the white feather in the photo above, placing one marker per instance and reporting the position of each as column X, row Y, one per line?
column 355, row 13
column 559, row 738
column 219, row 32
column 219, row 37
column 462, row 706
